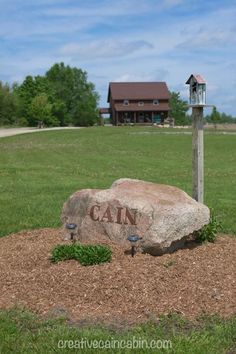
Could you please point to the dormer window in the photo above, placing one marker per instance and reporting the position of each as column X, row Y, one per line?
column 141, row 103
column 125, row 102
column 156, row 102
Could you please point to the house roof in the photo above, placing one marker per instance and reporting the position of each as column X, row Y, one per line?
column 138, row 91
column 147, row 107
column 199, row 79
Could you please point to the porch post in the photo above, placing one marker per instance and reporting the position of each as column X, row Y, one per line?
column 116, row 118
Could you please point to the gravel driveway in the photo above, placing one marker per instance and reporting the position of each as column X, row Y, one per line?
column 15, row 131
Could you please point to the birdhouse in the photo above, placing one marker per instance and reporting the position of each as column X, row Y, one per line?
column 197, row 90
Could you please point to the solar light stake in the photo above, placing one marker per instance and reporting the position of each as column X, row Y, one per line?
column 133, row 240
column 71, row 227
column 132, row 250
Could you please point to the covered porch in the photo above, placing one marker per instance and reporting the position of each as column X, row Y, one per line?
column 143, row 117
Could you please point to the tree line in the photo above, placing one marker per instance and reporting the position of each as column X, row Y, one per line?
column 179, row 110
column 61, row 97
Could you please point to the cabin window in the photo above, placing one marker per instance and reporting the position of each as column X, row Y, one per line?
column 125, row 102
column 141, row 103
column 156, row 102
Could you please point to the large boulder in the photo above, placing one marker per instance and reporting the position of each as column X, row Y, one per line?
column 164, row 216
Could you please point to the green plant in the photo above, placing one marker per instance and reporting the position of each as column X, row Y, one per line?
column 93, row 254
column 85, row 254
column 62, row 253
column 209, row 232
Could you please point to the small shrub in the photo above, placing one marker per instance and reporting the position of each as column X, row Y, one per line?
column 85, row 254
column 62, row 253
column 92, row 254
column 209, row 232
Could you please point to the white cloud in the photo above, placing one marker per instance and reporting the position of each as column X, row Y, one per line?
column 12, row 29
column 104, row 49
column 210, row 38
column 155, row 75
column 214, row 31
column 134, row 78
column 31, row 66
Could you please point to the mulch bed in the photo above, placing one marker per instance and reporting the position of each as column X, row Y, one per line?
column 196, row 281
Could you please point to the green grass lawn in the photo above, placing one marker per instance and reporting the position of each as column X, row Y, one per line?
column 39, row 171
column 24, row 333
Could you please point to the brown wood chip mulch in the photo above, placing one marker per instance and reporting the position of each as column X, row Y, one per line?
column 201, row 280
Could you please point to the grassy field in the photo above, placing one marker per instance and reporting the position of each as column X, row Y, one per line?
column 39, row 171
column 22, row 332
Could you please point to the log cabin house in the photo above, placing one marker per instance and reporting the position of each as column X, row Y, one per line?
column 143, row 103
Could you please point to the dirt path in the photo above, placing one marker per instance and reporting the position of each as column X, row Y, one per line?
column 4, row 132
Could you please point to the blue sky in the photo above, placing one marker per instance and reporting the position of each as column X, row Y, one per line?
column 126, row 40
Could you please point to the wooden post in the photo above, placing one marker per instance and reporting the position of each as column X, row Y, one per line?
column 198, row 154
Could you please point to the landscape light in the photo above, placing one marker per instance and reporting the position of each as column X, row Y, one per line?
column 133, row 241
column 71, row 229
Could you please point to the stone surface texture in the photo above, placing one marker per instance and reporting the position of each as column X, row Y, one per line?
column 164, row 216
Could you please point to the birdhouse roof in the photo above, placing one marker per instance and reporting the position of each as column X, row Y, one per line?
column 198, row 78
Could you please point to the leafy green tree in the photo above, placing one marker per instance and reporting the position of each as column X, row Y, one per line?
column 215, row 116
column 227, row 118
column 40, row 110
column 9, row 105
column 219, row 118
column 27, row 91
column 179, row 109
column 85, row 111
column 59, row 111
column 63, row 96
column 75, row 96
